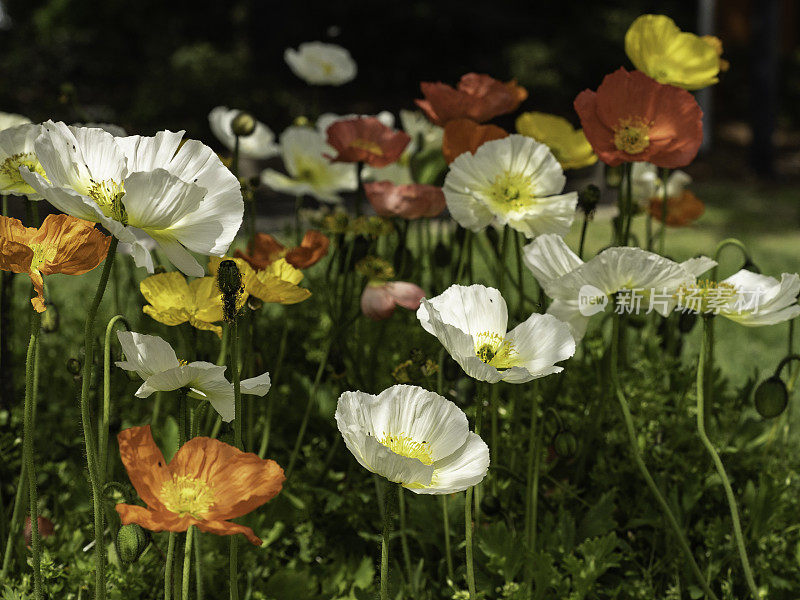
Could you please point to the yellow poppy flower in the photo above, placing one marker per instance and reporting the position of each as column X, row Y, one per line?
column 173, row 301
column 276, row 283
column 658, row 48
column 568, row 145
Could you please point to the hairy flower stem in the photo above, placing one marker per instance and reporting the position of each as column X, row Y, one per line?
column 534, row 450
column 389, row 495
column 238, row 442
column 27, row 451
column 169, row 568
column 726, row 484
column 88, row 431
column 468, row 538
column 637, row 455
column 187, row 564
column 401, row 509
column 443, row 498
column 105, row 413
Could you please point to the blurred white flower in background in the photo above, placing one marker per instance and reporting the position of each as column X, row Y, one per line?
column 318, row 63
column 258, row 145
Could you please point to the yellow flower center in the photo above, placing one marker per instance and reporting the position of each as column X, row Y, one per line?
column 632, row 135
column 42, row 253
column 108, row 195
column 185, row 495
column 405, row 445
column 308, row 170
column 705, row 296
column 511, row 191
column 10, row 167
column 362, row 144
column 494, row 350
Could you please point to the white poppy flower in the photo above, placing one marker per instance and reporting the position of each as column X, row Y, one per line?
column 417, row 125
column 646, row 183
column 413, row 437
column 12, row 120
column 515, row 181
column 155, row 361
column 258, row 145
column 318, row 63
column 17, row 150
column 136, row 187
column 471, row 323
column 309, row 171
column 580, row 290
column 748, row 298
column 111, row 128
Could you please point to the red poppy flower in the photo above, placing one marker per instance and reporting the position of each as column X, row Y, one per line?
column 681, row 210
column 366, row 140
column 465, row 135
column 633, row 118
column 206, row 484
column 477, row 97
column 410, row 201
column 265, row 250
column 379, row 298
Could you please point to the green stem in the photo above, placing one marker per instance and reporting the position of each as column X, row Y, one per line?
column 198, row 566
column 519, row 241
column 170, row 566
column 187, row 564
column 88, row 430
column 238, row 442
column 262, row 450
column 462, row 256
column 651, row 484
column 584, row 228
column 468, row 539
column 534, row 459
column 27, row 450
column 19, row 501
column 307, row 414
column 448, row 552
column 662, row 233
column 388, row 515
column 628, row 217
column 102, row 425
column 726, row 484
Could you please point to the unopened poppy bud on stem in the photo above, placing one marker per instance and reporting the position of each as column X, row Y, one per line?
column 243, row 124
column 229, row 280
column 131, row 542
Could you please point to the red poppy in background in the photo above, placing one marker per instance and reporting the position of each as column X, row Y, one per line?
column 681, row 210
column 477, row 97
column 633, row 118
column 265, row 250
column 380, row 298
column 465, row 135
column 410, row 201
column 366, row 140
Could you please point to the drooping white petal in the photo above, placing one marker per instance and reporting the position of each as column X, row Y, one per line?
column 258, row 386
column 145, row 354
column 699, row 265
column 762, row 300
column 208, row 382
column 541, row 341
column 156, row 200
column 548, row 257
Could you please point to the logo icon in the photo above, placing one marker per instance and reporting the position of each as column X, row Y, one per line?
column 591, row 300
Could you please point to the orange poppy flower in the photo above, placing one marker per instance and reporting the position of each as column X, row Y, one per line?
column 265, row 250
column 465, row 135
column 477, row 97
column 206, row 484
column 681, row 210
column 63, row 244
column 409, row 201
column 367, row 140
column 633, row 118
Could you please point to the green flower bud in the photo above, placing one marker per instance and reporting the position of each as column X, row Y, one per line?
column 131, row 542
column 565, row 444
column 588, row 199
column 243, row 124
column 229, row 282
column 74, row 366
column 771, row 397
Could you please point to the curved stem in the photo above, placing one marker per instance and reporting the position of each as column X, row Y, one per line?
column 170, row 566
column 307, row 414
column 651, row 484
column 725, row 244
column 701, row 430
column 187, row 564
column 86, row 420
column 27, row 451
column 102, row 425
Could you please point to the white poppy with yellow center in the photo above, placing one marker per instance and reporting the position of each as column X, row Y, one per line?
column 308, row 171
column 413, row 437
column 17, row 150
column 258, row 145
column 155, row 361
column 318, row 63
column 515, row 181
column 471, row 323
column 178, row 194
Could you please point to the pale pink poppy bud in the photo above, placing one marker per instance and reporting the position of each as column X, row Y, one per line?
column 379, row 299
column 410, row 201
